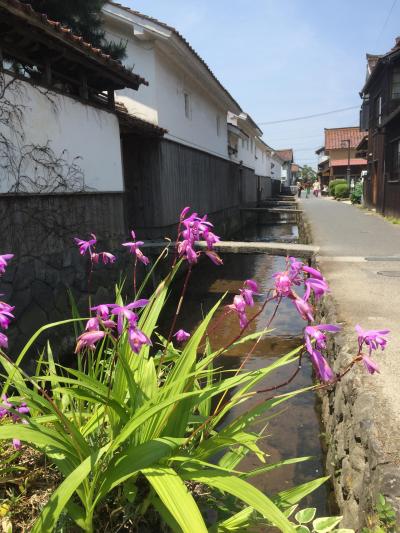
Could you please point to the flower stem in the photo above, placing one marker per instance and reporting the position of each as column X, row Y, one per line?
column 178, row 310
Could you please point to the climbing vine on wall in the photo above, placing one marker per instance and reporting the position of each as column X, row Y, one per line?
column 27, row 167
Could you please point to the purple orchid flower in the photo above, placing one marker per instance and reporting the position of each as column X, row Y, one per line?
column 182, row 335
column 250, row 287
column 106, row 257
column 304, row 309
column 370, row 365
column 4, row 261
column 210, row 238
column 5, row 406
column 5, row 315
column 3, row 341
column 317, row 333
column 314, row 273
column 184, row 212
column 295, row 267
column 134, row 249
column 137, row 339
column 191, row 255
column 102, row 311
column 215, row 258
column 125, row 312
column 85, row 246
column 319, row 286
column 321, row 367
column 93, row 324
column 195, row 229
column 239, row 307
column 283, row 284
column 372, row 338
column 88, row 339
column 7, row 409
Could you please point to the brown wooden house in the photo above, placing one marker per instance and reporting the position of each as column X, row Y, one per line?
column 380, row 117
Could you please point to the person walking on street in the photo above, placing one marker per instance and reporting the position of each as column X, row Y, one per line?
column 299, row 189
column 316, row 188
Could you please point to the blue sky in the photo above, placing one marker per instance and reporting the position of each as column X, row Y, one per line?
column 286, row 58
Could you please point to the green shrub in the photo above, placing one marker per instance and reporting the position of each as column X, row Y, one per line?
column 356, row 195
column 333, row 183
column 342, row 190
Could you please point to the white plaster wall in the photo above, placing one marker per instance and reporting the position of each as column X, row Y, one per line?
column 276, row 170
column 80, row 130
column 140, row 55
column 245, row 154
column 200, row 128
column 263, row 164
column 162, row 102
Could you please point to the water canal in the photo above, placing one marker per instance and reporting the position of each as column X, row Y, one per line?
column 296, row 430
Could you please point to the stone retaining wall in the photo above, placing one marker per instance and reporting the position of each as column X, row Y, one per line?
column 362, row 451
column 360, row 460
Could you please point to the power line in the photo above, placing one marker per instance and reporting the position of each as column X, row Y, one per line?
column 386, row 21
column 309, row 116
column 295, row 138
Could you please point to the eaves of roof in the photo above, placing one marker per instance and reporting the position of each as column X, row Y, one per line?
column 134, row 125
column 55, row 30
column 385, row 59
column 185, row 43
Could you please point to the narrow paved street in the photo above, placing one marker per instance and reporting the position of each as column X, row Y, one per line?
column 360, row 257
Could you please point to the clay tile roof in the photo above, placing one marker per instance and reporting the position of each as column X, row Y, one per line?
column 286, row 154
column 57, row 30
column 132, row 124
column 334, row 137
column 295, row 168
column 180, row 36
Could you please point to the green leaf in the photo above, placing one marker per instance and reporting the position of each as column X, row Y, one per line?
column 273, row 466
column 131, row 461
column 289, row 497
column 302, row 529
column 245, row 492
column 239, row 522
column 177, row 499
column 48, row 518
column 305, row 515
column 323, row 525
column 28, row 345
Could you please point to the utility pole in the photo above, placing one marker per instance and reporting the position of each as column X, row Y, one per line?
column 348, row 171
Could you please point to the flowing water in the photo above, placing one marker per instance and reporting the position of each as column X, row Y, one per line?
column 295, row 431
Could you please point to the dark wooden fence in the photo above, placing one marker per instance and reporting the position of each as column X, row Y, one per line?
column 162, row 177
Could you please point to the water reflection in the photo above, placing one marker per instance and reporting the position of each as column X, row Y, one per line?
column 295, row 431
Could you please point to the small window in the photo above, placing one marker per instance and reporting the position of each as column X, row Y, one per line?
column 251, row 145
column 395, row 160
column 396, row 83
column 188, row 110
column 218, row 125
column 378, row 110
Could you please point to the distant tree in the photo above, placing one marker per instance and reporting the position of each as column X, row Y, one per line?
column 308, row 173
column 84, row 18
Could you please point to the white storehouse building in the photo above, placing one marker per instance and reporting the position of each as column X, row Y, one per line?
column 183, row 96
